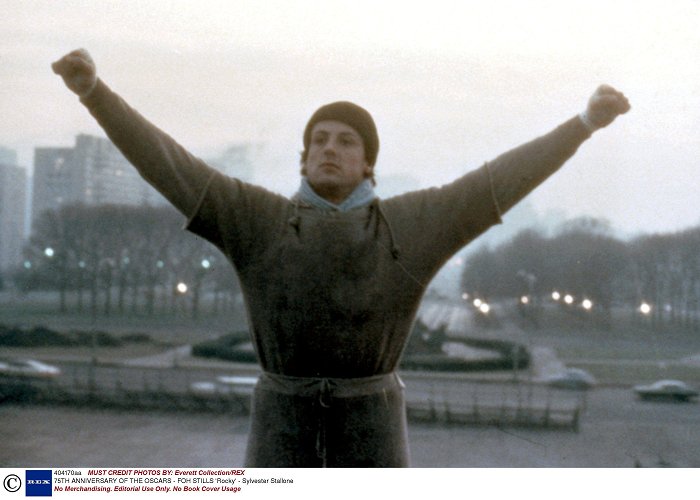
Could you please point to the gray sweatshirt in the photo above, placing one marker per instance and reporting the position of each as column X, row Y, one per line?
column 330, row 295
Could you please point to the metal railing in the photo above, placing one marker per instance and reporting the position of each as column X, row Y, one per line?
column 430, row 398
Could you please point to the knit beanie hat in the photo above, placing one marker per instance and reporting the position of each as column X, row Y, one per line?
column 353, row 115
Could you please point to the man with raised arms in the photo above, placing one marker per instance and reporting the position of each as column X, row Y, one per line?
column 333, row 276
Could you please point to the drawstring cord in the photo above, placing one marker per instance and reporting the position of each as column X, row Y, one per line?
column 295, row 220
column 324, row 395
column 324, row 400
column 393, row 247
column 321, row 448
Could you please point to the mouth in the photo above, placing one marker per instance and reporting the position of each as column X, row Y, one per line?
column 330, row 165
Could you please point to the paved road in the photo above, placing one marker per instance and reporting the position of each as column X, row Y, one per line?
column 431, row 397
column 601, row 404
column 616, row 431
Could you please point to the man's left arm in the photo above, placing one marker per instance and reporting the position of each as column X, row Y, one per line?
column 435, row 223
column 516, row 173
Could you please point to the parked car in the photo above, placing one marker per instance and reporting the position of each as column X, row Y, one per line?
column 667, row 389
column 572, row 378
column 236, row 385
column 27, row 369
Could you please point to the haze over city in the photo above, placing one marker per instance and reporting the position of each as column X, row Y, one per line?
column 450, row 85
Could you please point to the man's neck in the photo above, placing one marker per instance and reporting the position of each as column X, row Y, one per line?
column 332, row 195
column 362, row 195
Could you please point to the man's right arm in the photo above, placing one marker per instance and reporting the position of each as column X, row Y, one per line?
column 170, row 168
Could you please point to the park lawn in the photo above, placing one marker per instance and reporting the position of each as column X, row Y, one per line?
column 625, row 355
column 629, row 374
column 174, row 328
column 82, row 353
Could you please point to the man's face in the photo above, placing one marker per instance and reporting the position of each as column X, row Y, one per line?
column 335, row 164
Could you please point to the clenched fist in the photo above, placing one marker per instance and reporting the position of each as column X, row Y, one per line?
column 604, row 106
column 78, row 71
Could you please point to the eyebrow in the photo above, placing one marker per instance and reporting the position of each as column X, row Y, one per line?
column 345, row 133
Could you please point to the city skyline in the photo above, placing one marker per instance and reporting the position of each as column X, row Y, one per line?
column 91, row 171
column 451, row 85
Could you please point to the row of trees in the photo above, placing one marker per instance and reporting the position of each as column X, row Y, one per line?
column 657, row 275
column 121, row 258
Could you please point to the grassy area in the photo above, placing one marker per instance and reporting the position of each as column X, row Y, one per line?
column 624, row 337
column 103, row 354
column 629, row 356
column 611, row 347
column 616, row 373
column 625, row 351
column 172, row 326
column 626, row 354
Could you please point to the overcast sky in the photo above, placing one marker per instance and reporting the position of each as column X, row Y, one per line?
column 450, row 85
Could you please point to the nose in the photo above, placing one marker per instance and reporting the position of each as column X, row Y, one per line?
column 329, row 148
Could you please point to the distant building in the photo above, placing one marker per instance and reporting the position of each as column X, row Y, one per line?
column 55, row 179
column 395, row 184
column 238, row 161
column 93, row 172
column 13, row 188
column 8, row 156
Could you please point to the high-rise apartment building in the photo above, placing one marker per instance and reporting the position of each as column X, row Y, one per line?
column 13, row 186
column 56, row 180
column 93, row 172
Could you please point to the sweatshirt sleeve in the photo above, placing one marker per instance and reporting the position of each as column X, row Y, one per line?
column 435, row 223
column 514, row 174
column 179, row 176
column 240, row 219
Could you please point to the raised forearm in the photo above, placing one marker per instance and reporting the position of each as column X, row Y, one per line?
column 517, row 172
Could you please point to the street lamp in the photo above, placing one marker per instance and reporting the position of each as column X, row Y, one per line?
column 556, row 295
column 181, row 288
column 587, row 304
column 484, row 308
column 645, row 308
column 525, row 300
column 49, row 252
column 568, row 299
